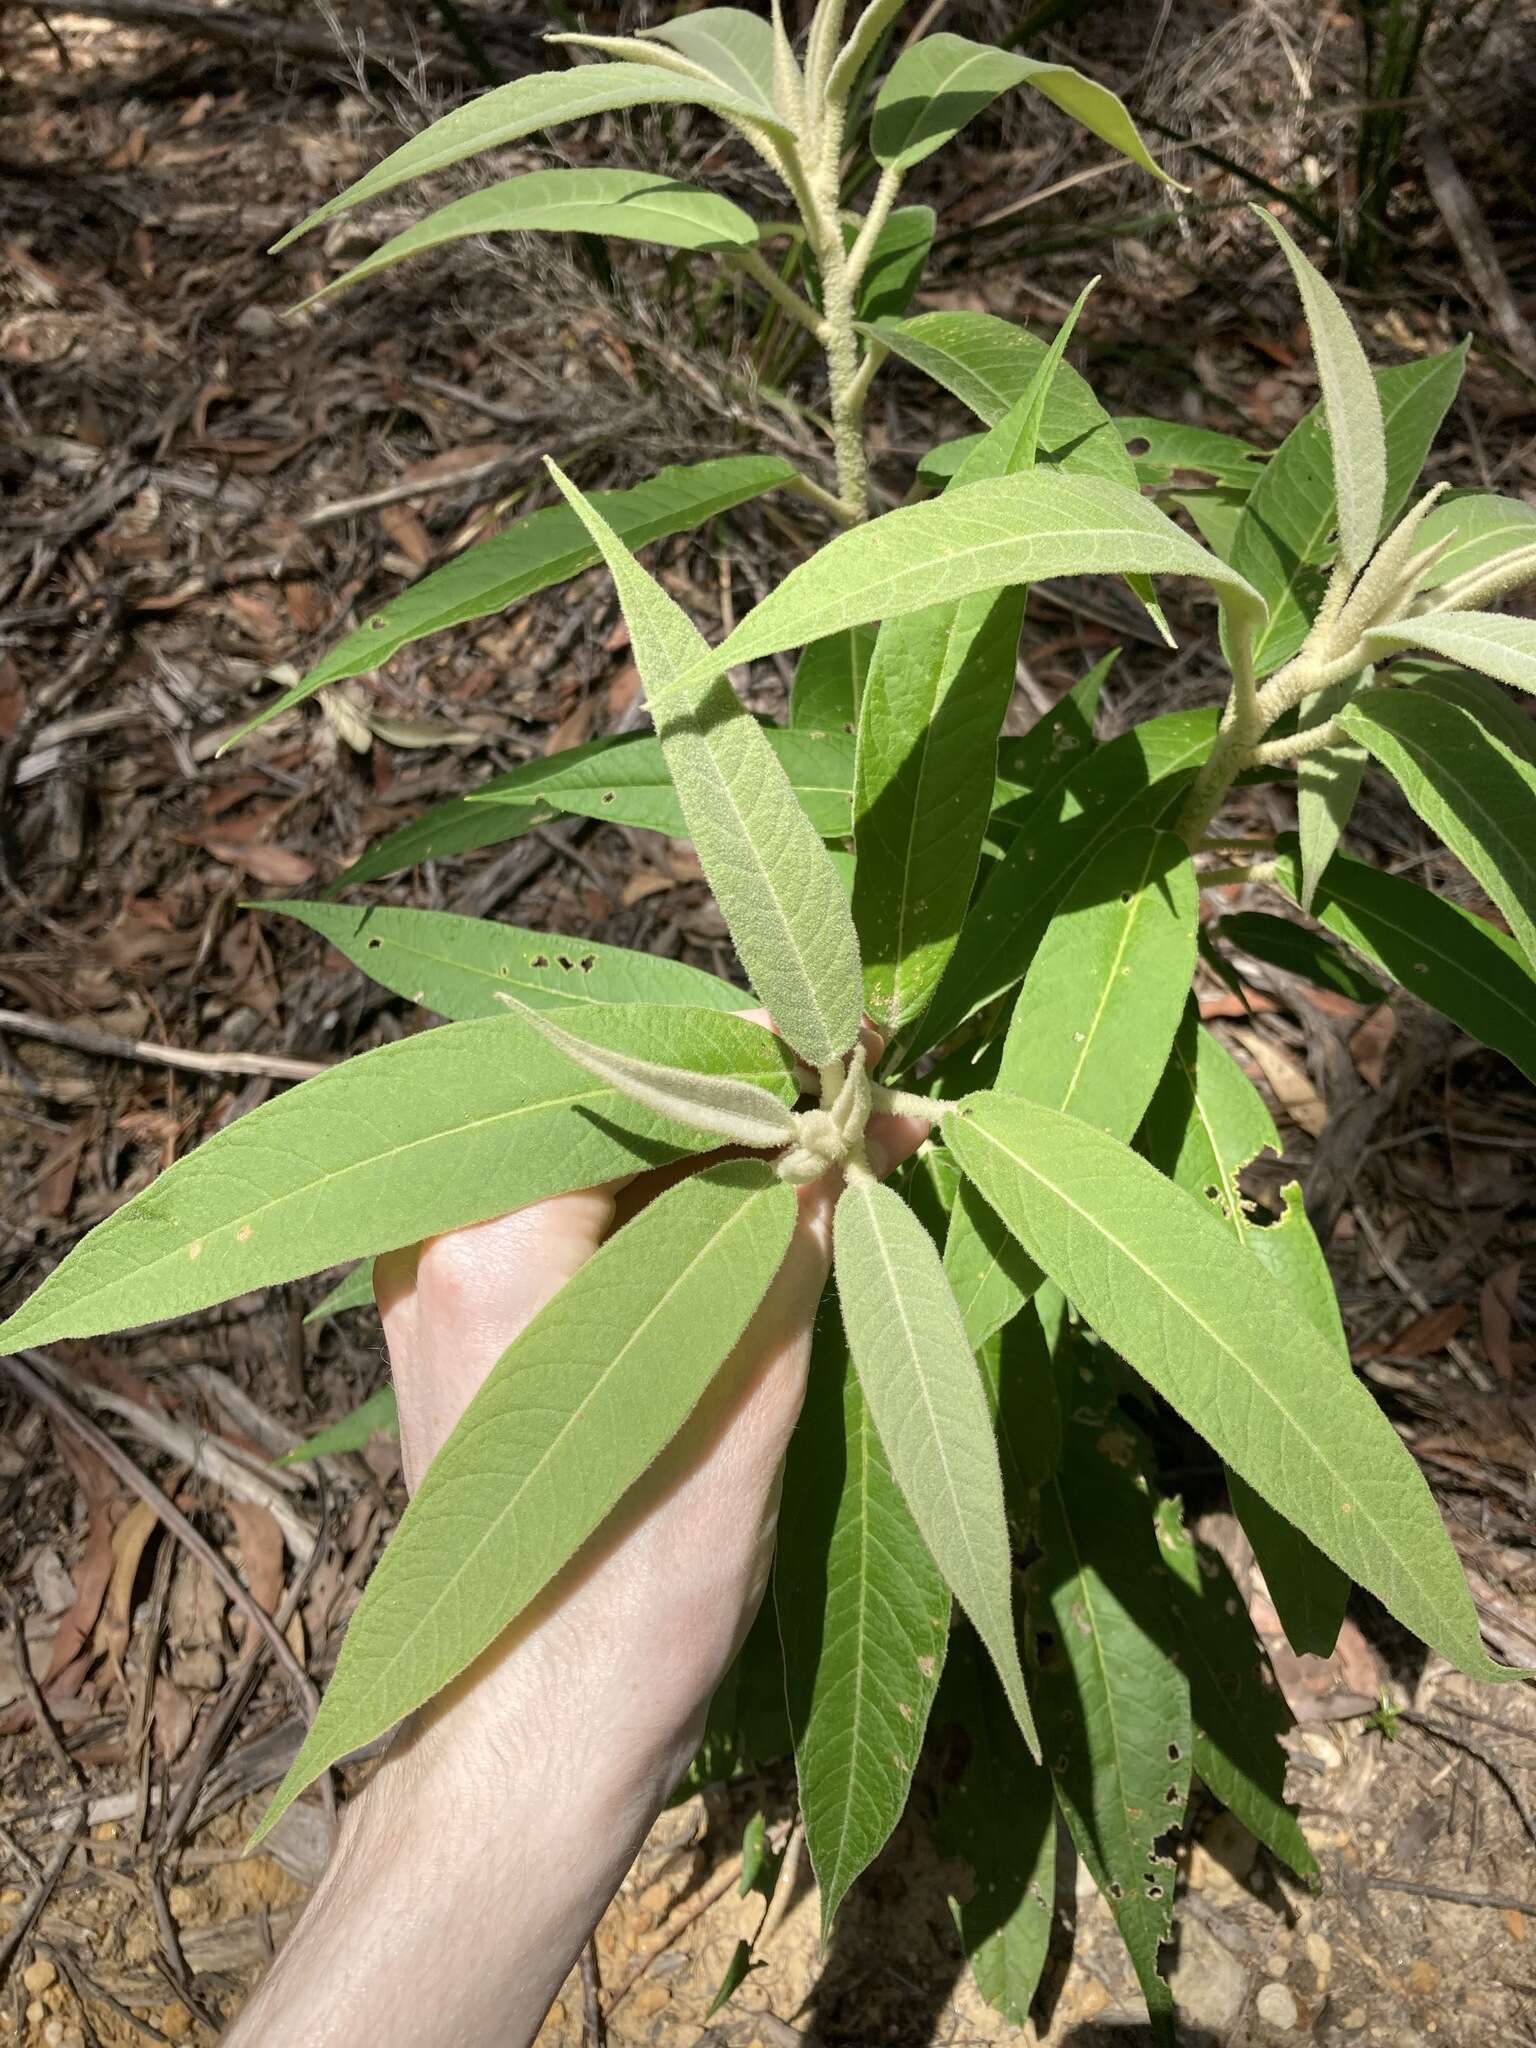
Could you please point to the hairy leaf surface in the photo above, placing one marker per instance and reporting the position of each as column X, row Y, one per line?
column 1298, row 949
column 732, row 45
column 926, row 1398
column 1497, row 644
column 1013, row 529
column 375, row 1416
column 943, row 81
column 1163, row 449
column 771, row 875
column 569, row 1417
column 421, row 1136
column 545, row 548
column 1167, row 1284
column 353, row 1290
column 1327, row 784
column 1474, row 792
column 541, row 100
column 1283, row 539
column 829, row 681
column 864, row 1617
column 1481, row 528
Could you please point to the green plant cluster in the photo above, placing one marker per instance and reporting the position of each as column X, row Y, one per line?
column 971, row 1505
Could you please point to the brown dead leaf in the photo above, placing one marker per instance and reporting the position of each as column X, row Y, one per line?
column 1287, row 1080
column 1496, row 1314
column 92, row 1575
column 573, row 729
column 454, row 461
column 1423, row 1337
column 307, row 606
column 1227, row 1003
column 278, row 866
column 1370, row 1044
column 172, row 1720
column 261, row 1551
column 642, row 883
column 258, row 615
column 403, row 527
column 129, row 1541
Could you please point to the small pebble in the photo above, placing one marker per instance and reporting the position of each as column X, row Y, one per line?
column 39, row 1977
column 1277, row 2006
column 1353, row 2020
column 175, row 2021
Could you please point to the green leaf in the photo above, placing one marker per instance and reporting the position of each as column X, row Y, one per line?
column 1205, row 1124
column 1138, row 779
column 1239, row 1714
column 737, row 1971
column 1445, row 955
column 1474, row 694
column 864, row 1618
column 569, row 1417
column 726, row 1108
column 1167, row 1284
column 635, row 206
column 926, row 1398
column 541, row 100
column 777, row 889
column 982, row 536
column 938, row 687
column 1096, row 1017
column 1356, row 433
column 733, row 46
column 1475, row 793
column 1297, row 949
column 997, row 1817
column 462, row 966
column 353, row 1290
column 860, row 47
column 895, row 267
column 1481, row 528
column 418, row 1137
column 375, row 1416
column 1285, row 535
column 1162, row 449
column 1034, row 766
column 939, row 84
column 1114, row 1705
column 829, row 680
column 747, row 1725
column 1090, row 1033
column 989, row 364
column 545, row 548
column 1327, row 784
column 621, row 781
column 1496, row 644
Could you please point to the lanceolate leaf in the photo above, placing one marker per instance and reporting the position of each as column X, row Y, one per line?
column 732, row 45
column 636, row 206
column 1166, row 1283
column 829, row 681
column 622, row 781
column 567, row 1420
column 353, row 1290
column 1114, row 1704
column 1033, row 767
column 726, row 1108
column 373, row 1417
column 896, row 263
column 1474, row 792
column 943, row 81
column 771, row 876
column 1443, row 954
column 1482, row 529
column 1013, row 529
column 462, row 966
column 1327, row 783
column 1090, row 1033
column 998, row 1818
column 1298, row 949
column 422, row 1136
column 541, row 100
column 1495, row 643
column 543, row 549
column 1507, row 716
column 864, row 1617
column 926, row 1398
column 1163, row 449
column 1095, row 1019
column 1206, row 1123
column 1238, row 1717
column 938, row 687
column 1138, row 779
column 1284, row 537
column 1356, row 435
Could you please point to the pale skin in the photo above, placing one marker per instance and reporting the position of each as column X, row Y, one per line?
column 473, row 1867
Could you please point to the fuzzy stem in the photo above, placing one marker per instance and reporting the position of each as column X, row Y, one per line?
column 1295, row 746
column 874, row 221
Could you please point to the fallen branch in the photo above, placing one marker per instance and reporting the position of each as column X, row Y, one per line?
column 80, row 1038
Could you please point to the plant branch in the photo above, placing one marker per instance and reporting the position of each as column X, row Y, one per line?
column 1293, row 746
column 763, row 274
column 844, row 513
column 879, row 213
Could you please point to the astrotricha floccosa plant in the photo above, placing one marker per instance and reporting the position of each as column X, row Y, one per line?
column 1020, row 919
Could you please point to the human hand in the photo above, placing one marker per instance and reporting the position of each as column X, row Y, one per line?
column 504, row 1817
